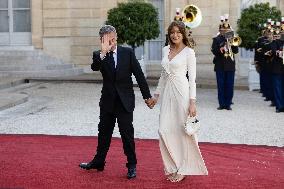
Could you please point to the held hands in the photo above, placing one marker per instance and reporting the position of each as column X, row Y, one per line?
column 151, row 102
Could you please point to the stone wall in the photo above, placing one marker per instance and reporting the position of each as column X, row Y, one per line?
column 68, row 29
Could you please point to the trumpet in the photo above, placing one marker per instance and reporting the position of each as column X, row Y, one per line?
column 236, row 41
column 231, row 41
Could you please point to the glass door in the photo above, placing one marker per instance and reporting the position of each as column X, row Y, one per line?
column 15, row 22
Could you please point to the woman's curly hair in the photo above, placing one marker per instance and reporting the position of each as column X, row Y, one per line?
column 187, row 40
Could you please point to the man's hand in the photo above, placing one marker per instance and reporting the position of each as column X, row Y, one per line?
column 259, row 50
column 279, row 53
column 150, row 102
column 222, row 49
column 105, row 44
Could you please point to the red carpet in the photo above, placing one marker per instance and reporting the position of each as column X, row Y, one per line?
column 39, row 161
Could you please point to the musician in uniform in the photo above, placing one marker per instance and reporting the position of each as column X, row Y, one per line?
column 278, row 67
column 267, row 66
column 224, row 64
column 259, row 58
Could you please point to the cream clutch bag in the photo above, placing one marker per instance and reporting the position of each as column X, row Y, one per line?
column 192, row 125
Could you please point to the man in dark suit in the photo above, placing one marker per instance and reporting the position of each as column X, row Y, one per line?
column 224, row 66
column 117, row 102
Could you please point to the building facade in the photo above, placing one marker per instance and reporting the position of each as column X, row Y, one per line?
column 68, row 29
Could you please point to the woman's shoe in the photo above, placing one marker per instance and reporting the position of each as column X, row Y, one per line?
column 178, row 178
column 171, row 176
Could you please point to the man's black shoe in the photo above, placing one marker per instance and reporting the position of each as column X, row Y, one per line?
column 220, row 108
column 131, row 173
column 272, row 104
column 92, row 165
column 228, row 108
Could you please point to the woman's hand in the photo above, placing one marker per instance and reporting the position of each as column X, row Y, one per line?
column 156, row 98
column 192, row 108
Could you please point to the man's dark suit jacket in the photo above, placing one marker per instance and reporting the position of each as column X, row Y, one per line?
column 119, row 83
column 221, row 62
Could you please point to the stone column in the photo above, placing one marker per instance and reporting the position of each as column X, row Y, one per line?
column 37, row 23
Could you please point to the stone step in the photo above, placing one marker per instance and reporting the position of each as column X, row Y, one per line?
column 29, row 60
column 37, row 67
column 3, row 75
column 95, row 77
column 17, row 48
column 8, row 100
column 7, row 82
column 19, row 88
column 34, row 64
column 15, row 53
column 45, row 73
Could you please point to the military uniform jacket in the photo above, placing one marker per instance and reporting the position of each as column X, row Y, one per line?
column 259, row 57
column 277, row 62
column 221, row 62
column 267, row 66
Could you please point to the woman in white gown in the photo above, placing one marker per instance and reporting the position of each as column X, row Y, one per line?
column 180, row 152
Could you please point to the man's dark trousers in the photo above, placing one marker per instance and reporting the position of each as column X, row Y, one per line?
column 225, row 84
column 278, row 87
column 106, row 126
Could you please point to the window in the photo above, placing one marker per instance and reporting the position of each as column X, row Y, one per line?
column 153, row 50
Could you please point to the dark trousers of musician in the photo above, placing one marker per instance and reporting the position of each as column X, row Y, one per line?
column 106, row 126
column 268, row 86
column 278, row 86
column 261, row 82
column 225, row 84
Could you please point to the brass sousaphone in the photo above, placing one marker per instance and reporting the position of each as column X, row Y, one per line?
column 191, row 16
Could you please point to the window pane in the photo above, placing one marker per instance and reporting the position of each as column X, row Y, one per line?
column 21, row 3
column 22, row 21
column 139, row 52
column 155, row 50
column 3, row 4
column 159, row 6
column 161, row 26
column 155, row 46
column 4, row 23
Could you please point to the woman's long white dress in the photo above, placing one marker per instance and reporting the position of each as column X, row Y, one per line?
column 180, row 152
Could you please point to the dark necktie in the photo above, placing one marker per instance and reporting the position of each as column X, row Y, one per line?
column 111, row 61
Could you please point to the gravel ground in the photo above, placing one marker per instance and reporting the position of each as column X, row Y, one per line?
column 72, row 109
